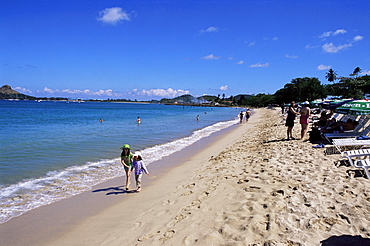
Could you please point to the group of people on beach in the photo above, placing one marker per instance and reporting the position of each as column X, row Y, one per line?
column 246, row 114
column 324, row 124
column 332, row 125
column 133, row 161
column 292, row 112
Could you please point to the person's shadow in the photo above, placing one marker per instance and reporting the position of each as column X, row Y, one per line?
column 115, row 190
column 346, row 240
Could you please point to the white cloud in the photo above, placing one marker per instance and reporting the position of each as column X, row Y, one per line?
column 210, row 29
column 161, row 92
column 339, row 31
column 365, row 72
column 23, row 90
column 333, row 33
column 47, row 90
column 211, row 57
column 323, row 67
column 358, row 38
column 251, row 44
column 113, row 15
column 291, row 56
column 331, row 48
column 308, row 46
column 260, row 65
column 224, row 88
column 240, row 62
column 80, row 93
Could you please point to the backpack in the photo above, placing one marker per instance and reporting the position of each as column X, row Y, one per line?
column 315, row 135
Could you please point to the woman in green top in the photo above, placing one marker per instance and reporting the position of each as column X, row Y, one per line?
column 126, row 160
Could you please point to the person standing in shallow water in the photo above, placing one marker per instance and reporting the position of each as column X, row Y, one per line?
column 126, row 161
column 290, row 120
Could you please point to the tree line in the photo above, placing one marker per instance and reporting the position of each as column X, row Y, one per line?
column 309, row 89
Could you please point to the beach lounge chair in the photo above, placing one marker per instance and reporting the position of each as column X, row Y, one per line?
column 363, row 128
column 359, row 163
column 350, row 142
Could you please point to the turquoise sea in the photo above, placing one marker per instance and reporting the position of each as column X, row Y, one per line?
column 54, row 150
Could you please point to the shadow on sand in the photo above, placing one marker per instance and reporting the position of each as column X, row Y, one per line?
column 346, row 240
column 115, row 190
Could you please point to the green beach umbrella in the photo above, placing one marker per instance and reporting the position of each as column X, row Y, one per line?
column 316, row 102
column 355, row 107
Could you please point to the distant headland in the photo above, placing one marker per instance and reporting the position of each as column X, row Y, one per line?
column 7, row 93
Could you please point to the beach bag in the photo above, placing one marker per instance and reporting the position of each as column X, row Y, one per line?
column 315, row 135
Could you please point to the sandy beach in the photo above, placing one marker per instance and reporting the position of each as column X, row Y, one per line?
column 246, row 186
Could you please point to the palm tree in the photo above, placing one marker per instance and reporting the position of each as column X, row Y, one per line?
column 331, row 75
column 355, row 72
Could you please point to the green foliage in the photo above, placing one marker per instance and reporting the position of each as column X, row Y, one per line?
column 301, row 89
column 351, row 87
column 208, row 98
column 260, row 100
column 16, row 96
column 331, row 75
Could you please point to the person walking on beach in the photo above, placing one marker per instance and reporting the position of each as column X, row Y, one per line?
column 247, row 115
column 140, row 167
column 241, row 115
column 282, row 106
column 304, row 119
column 290, row 120
column 126, row 160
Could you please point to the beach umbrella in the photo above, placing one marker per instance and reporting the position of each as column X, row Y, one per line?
column 316, row 102
column 355, row 107
column 337, row 103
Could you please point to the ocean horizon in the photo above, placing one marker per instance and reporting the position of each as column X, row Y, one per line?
column 54, row 150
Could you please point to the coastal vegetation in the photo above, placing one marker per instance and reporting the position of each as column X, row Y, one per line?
column 299, row 90
column 309, row 89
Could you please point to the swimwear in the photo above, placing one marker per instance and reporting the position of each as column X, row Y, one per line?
column 304, row 120
column 128, row 160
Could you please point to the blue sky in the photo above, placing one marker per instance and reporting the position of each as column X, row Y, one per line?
column 141, row 49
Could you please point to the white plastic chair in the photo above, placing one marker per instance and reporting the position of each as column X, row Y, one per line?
column 358, row 162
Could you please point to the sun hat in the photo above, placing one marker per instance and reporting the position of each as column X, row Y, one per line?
column 306, row 103
column 126, row 146
column 137, row 153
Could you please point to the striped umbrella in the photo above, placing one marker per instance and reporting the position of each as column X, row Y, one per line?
column 356, row 107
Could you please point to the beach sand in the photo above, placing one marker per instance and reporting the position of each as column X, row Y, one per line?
column 248, row 186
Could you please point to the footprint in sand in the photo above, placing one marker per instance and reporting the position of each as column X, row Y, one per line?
column 137, row 225
column 187, row 193
column 252, row 188
column 277, row 192
column 147, row 236
column 168, row 235
column 168, row 202
column 190, row 240
column 190, row 185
